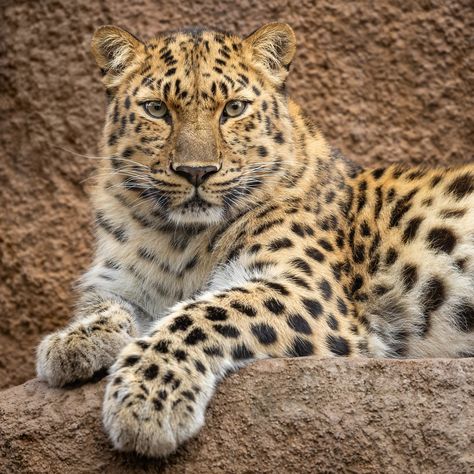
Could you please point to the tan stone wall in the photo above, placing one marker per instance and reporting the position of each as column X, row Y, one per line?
column 386, row 81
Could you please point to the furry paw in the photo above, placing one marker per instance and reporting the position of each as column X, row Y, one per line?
column 85, row 347
column 154, row 401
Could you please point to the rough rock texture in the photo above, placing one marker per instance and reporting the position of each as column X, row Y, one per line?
column 387, row 80
column 358, row 416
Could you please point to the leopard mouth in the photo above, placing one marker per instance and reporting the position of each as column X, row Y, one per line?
column 196, row 202
column 196, row 209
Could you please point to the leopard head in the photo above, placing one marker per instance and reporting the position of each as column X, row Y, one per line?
column 197, row 126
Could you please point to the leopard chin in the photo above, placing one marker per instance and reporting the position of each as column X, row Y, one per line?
column 196, row 213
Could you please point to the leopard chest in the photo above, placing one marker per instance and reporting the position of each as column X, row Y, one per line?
column 153, row 269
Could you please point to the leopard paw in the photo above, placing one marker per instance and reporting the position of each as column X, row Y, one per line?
column 85, row 347
column 155, row 402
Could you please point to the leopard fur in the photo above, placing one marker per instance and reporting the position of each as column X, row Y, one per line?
column 287, row 250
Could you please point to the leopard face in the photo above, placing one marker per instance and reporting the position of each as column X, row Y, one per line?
column 197, row 127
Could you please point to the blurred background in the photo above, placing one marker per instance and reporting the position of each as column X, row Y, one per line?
column 386, row 81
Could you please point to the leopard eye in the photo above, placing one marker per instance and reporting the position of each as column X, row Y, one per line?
column 155, row 108
column 234, row 108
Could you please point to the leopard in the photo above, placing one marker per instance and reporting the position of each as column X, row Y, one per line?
column 228, row 230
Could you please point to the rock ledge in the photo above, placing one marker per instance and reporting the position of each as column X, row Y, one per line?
column 276, row 416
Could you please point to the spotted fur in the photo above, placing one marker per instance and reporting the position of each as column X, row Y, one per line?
column 286, row 250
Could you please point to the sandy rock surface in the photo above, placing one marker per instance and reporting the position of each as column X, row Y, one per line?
column 276, row 416
column 387, row 80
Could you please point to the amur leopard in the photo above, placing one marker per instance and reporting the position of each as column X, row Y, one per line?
column 228, row 230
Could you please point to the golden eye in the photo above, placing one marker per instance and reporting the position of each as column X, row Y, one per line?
column 234, row 108
column 156, row 108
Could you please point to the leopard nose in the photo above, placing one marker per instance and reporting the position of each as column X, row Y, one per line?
column 196, row 175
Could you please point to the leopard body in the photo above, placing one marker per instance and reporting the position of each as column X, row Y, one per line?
column 286, row 249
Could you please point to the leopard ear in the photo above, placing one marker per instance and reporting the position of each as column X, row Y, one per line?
column 272, row 47
column 114, row 50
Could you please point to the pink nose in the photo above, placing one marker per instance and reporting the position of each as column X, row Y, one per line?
column 196, row 175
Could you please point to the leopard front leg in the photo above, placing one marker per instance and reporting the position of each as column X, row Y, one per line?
column 88, row 344
column 161, row 384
